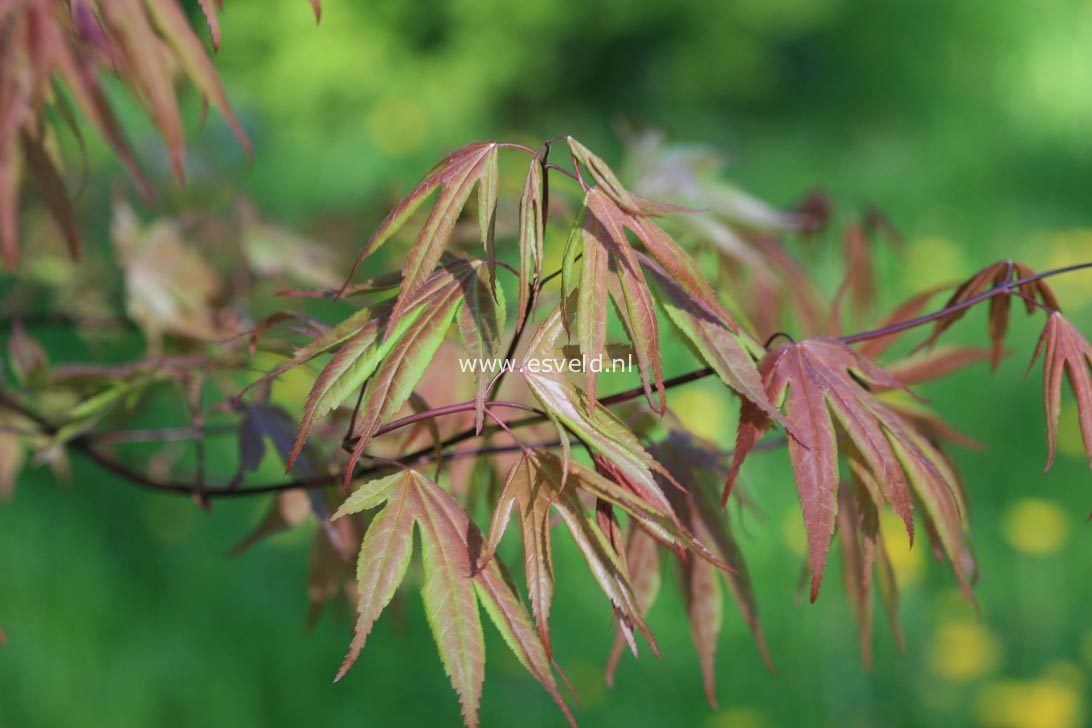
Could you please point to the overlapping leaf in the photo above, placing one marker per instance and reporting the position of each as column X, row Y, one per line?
column 389, row 355
column 571, row 408
column 823, row 387
column 475, row 165
column 990, row 277
column 481, row 324
column 863, row 555
column 538, row 483
column 718, row 342
column 451, row 589
column 611, row 263
column 693, row 464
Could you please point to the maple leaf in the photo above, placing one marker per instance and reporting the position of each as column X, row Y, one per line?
column 692, row 463
column 146, row 43
column 611, row 264
column 863, row 554
column 451, row 588
column 989, row 277
column 609, row 260
column 571, row 408
column 389, row 355
column 532, row 233
column 823, row 386
column 718, row 342
column 456, row 176
column 1065, row 352
column 537, row 483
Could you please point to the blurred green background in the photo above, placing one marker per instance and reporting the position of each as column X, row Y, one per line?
column 968, row 123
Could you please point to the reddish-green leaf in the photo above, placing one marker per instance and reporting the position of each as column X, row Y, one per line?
column 451, row 588
column 988, row 278
column 643, row 562
column 524, row 489
column 824, row 388
column 718, row 343
column 1065, row 351
column 481, row 324
column 531, row 236
column 599, row 427
column 455, row 177
column 175, row 29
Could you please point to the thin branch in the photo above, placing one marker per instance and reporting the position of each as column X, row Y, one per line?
column 961, row 306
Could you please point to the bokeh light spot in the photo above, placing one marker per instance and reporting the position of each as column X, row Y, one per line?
column 906, row 561
column 1053, row 701
column 963, row 650
column 1035, row 526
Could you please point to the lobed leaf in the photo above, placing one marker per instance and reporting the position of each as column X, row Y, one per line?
column 449, row 544
column 1065, row 352
column 992, row 277
column 824, row 388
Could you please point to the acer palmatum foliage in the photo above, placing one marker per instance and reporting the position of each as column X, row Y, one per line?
column 55, row 56
column 392, row 439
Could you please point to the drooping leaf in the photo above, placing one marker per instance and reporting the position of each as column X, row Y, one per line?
column 718, row 343
column 384, row 557
column 1065, row 352
column 599, row 427
column 172, row 24
column 449, row 544
column 536, row 483
column 53, row 48
column 643, row 562
column 524, row 488
column 990, row 277
column 823, row 387
column 692, row 463
column 863, row 553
